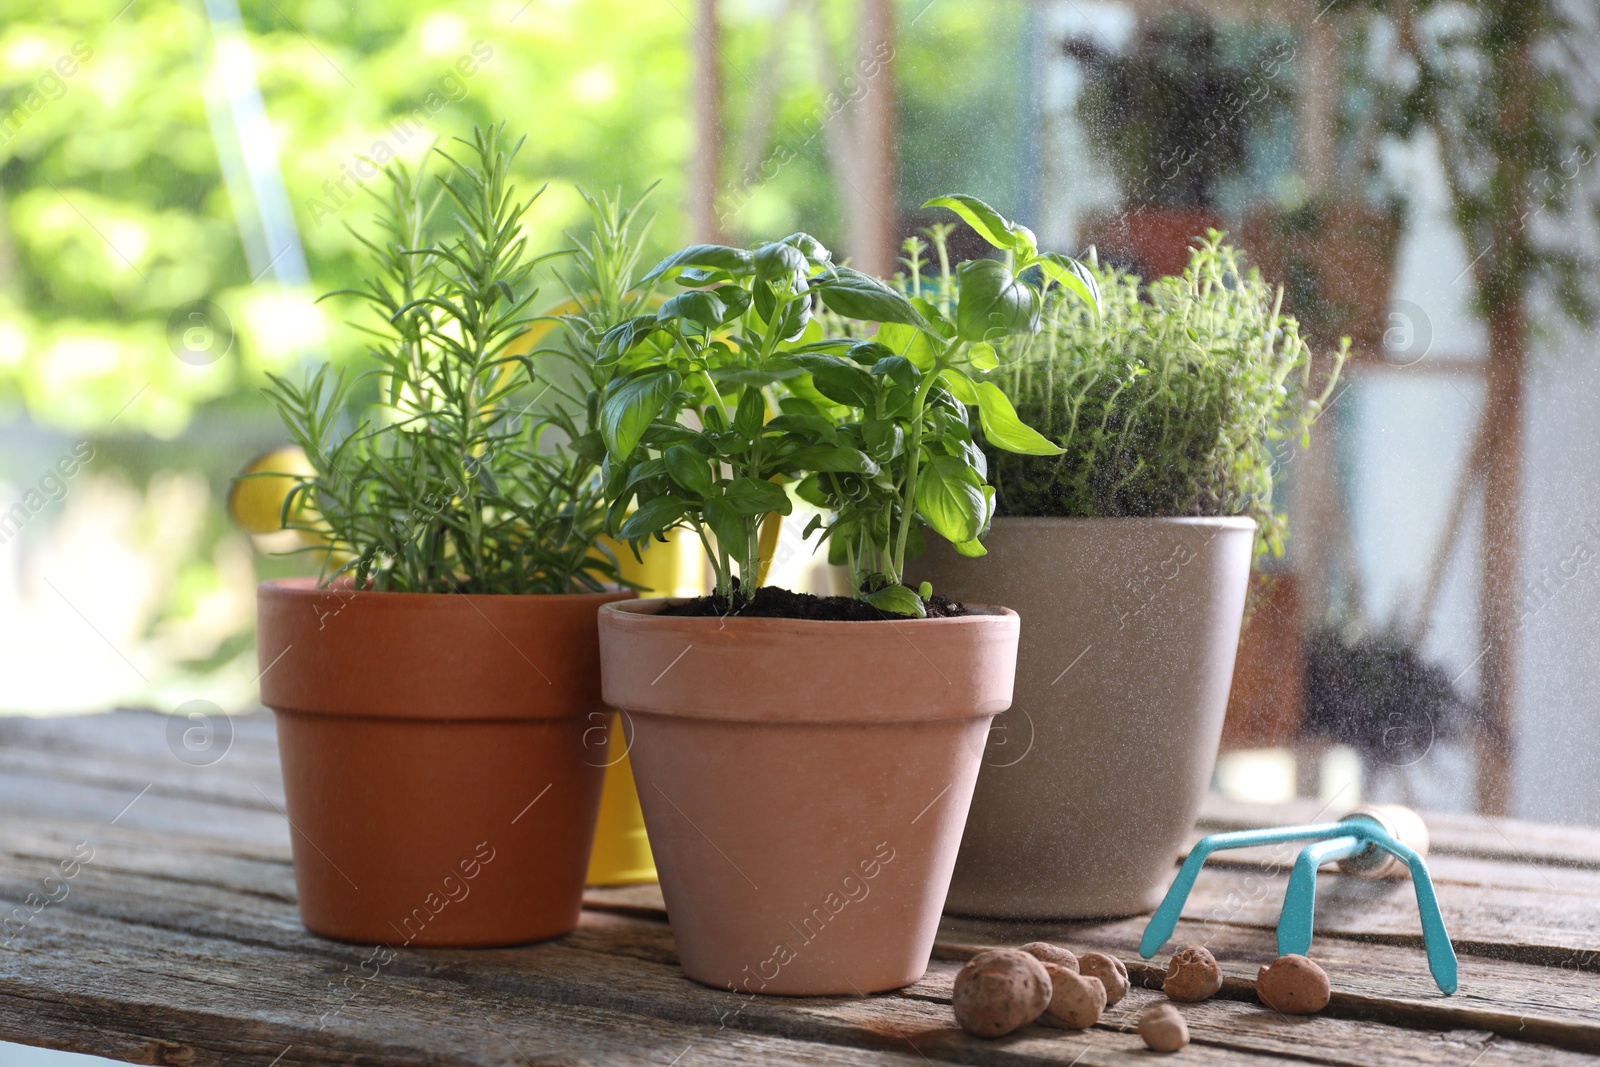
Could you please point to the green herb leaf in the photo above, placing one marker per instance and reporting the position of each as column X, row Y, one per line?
column 813, row 249
column 750, row 414
column 752, row 496
column 689, row 468
column 631, row 408
column 861, row 296
column 620, row 339
column 910, row 342
column 838, row 379
column 736, row 261
column 1073, row 277
column 1005, row 430
column 950, row 498
column 835, row 458
column 972, row 549
column 985, row 220
column 961, row 387
column 700, row 306
column 898, row 600
column 994, row 302
column 728, row 526
column 656, row 515
column 982, row 356
column 779, row 262
column 814, row 426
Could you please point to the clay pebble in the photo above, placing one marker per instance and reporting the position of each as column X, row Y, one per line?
column 1294, row 985
column 1112, row 972
column 1000, row 991
column 1163, row 1028
column 1075, row 1000
column 1045, row 952
column 1192, row 974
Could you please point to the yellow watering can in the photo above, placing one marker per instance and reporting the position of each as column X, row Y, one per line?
column 675, row 567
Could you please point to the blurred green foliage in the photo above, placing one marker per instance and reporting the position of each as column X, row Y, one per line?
column 113, row 208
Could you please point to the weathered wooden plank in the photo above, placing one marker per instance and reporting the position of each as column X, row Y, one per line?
column 1531, row 925
column 190, row 893
column 623, row 965
column 120, row 745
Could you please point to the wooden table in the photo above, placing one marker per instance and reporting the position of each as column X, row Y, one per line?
column 178, row 943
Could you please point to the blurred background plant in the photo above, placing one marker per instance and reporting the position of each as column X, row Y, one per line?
column 126, row 207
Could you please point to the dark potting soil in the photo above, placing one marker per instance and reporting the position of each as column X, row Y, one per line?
column 770, row 602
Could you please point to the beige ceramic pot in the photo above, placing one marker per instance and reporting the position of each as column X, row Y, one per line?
column 805, row 783
column 440, row 769
column 1093, row 779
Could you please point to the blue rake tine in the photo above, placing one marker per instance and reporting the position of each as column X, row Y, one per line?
column 1165, row 920
column 1361, row 834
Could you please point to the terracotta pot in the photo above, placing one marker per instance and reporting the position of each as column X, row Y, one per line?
column 1093, row 779
column 805, row 784
column 1335, row 261
column 438, row 766
column 1150, row 240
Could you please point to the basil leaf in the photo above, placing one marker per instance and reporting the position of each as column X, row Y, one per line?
column 812, row 426
column 994, row 302
column 1005, row 430
column 752, row 496
column 779, row 262
column 621, row 338
column 985, row 220
column 884, row 438
column 700, row 306
column 811, row 248
column 835, row 458
column 736, row 261
column 950, row 498
column 728, row 526
column 838, row 379
column 898, row 600
column 628, row 411
column 689, row 469
column 907, row 341
column 861, row 296
column 750, row 414
column 962, row 388
column 899, row 370
column 972, row 549
column 1073, row 277
column 656, row 515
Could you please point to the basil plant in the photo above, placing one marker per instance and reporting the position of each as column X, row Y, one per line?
column 731, row 390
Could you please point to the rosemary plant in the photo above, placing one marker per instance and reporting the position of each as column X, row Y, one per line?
column 438, row 468
column 1170, row 401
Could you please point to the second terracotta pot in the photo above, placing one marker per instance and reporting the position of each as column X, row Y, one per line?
column 805, row 784
column 1093, row 779
column 439, row 770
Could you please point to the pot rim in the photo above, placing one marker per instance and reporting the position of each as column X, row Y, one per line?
column 641, row 612
column 806, row 672
column 1224, row 522
column 308, row 587
column 428, row 656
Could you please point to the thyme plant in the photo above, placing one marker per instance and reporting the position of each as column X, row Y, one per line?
column 437, row 468
column 1169, row 401
column 731, row 389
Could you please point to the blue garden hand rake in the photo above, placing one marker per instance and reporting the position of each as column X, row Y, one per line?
column 1382, row 841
